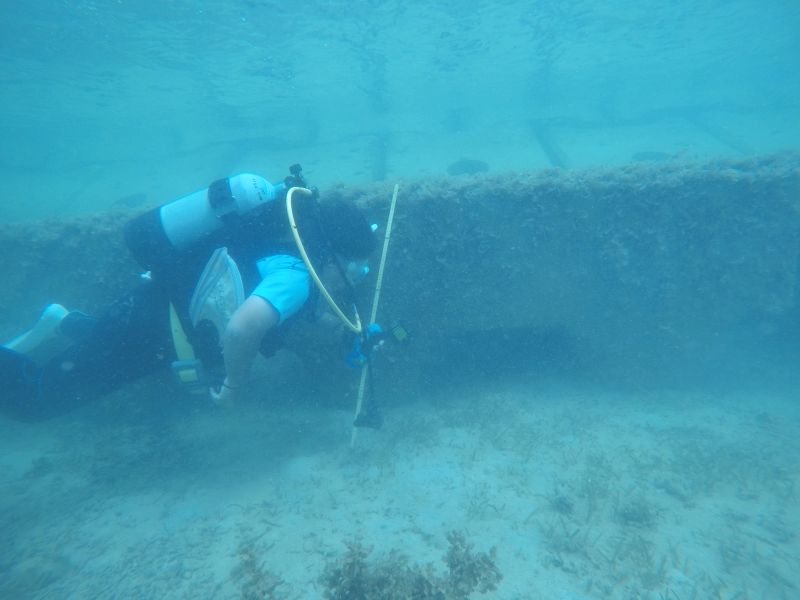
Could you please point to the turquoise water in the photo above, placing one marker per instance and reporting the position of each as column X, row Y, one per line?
column 135, row 102
column 615, row 416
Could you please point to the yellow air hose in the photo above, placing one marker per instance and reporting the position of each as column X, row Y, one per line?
column 355, row 324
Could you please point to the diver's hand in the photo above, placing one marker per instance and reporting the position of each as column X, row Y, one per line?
column 372, row 339
column 223, row 395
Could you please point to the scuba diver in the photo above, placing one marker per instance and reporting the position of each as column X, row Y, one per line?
column 228, row 269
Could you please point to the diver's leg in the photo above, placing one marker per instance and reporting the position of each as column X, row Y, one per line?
column 45, row 339
column 130, row 340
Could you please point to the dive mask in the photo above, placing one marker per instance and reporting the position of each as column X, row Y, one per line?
column 356, row 271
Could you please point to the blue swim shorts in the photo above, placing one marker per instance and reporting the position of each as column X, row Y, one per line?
column 285, row 283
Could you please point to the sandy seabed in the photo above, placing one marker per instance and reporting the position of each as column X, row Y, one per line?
column 583, row 494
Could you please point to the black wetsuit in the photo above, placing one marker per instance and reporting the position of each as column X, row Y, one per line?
column 133, row 337
column 130, row 339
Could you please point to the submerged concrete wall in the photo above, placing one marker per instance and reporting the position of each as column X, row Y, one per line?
column 645, row 272
column 663, row 272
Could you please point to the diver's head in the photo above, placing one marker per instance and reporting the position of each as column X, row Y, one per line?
column 349, row 234
column 350, row 241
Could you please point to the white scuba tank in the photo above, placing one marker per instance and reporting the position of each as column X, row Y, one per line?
column 188, row 219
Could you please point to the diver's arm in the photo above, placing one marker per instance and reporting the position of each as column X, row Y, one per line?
column 240, row 343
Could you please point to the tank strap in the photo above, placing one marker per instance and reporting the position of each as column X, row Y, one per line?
column 220, row 197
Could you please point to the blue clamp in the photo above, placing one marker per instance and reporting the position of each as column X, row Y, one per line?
column 362, row 347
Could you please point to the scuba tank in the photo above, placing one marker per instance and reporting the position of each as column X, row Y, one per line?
column 188, row 219
column 168, row 232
